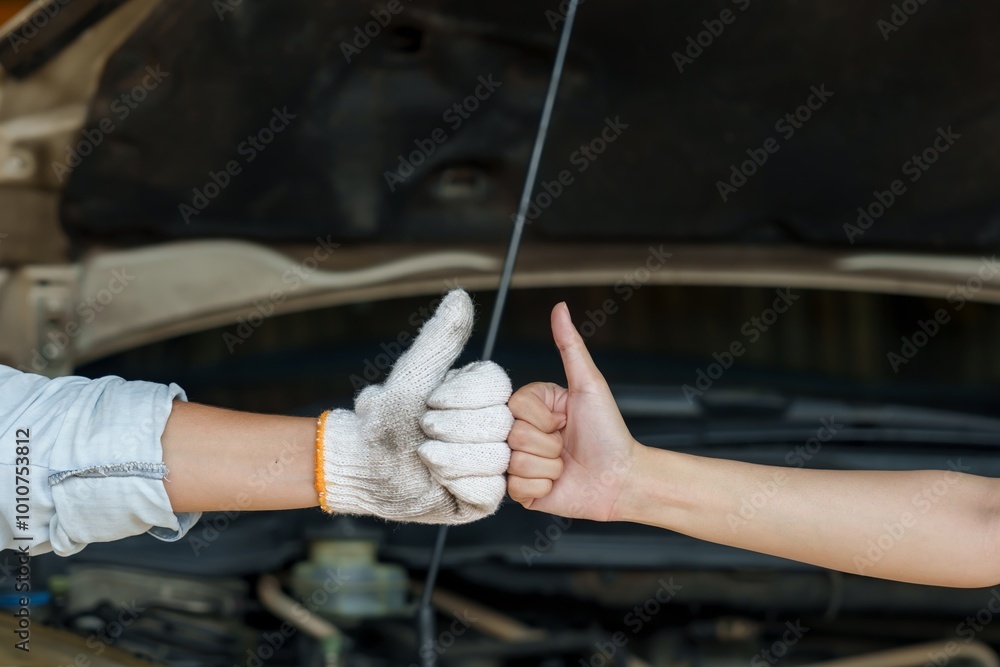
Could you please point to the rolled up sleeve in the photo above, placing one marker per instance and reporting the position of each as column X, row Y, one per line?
column 95, row 470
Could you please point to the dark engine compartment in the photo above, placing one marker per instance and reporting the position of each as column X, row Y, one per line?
column 901, row 76
column 575, row 585
column 676, row 96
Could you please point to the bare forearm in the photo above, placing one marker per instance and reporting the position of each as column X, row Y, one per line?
column 931, row 527
column 227, row 460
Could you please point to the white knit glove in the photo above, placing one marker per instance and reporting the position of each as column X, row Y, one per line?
column 429, row 445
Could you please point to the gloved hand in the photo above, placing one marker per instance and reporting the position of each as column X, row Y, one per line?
column 429, row 445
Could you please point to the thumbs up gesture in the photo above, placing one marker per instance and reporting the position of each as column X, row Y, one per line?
column 572, row 454
column 429, row 445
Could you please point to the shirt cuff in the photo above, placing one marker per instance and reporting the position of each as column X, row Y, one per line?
column 109, row 484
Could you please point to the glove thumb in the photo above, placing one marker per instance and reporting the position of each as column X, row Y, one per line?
column 440, row 342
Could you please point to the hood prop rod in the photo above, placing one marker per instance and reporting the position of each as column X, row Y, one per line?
column 426, row 610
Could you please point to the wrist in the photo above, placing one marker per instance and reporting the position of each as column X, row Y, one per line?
column 358, row 475
column 655, row 494
column 631, row 501
column 342, row 472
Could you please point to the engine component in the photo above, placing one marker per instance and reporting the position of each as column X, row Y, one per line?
column 330, row 638
column 344, row 581
column 87, row 587
column 974, row 652
column 59, row 647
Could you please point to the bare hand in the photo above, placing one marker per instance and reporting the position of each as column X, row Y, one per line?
column 572, row 453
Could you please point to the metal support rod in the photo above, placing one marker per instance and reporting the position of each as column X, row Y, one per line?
column 426, row 610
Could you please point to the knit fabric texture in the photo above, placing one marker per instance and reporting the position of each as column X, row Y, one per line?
column 429, row 445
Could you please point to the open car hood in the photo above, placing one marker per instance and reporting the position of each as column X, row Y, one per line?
column 839, row 144
column 832, row 102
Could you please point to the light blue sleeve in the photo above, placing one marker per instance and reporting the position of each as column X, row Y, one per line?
column 81, row 462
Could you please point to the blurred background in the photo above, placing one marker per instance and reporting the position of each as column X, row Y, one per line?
column 10, row 7
column 763, row 217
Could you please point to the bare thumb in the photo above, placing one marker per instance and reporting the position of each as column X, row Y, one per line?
column 581, row 372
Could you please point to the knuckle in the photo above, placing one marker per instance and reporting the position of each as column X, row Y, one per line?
column 555, row 422
column 519, row 462
column 518, row 437
column 515, row 487
column 559, row 466
column 517, row 402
